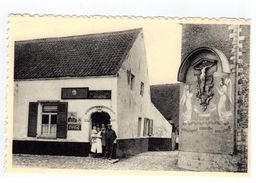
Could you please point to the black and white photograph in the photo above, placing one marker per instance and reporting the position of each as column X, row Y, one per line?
column 95, row 93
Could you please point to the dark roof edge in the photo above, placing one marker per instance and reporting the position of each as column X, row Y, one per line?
column 166, row 84
column 128, row 49
column 65, row 78
column 77, row 36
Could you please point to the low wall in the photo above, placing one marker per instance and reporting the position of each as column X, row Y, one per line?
column 159, row 144
column 51, row 148
column 124, row 147
column 130, row 147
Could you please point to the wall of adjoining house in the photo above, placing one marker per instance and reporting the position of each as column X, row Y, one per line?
column 35, row 90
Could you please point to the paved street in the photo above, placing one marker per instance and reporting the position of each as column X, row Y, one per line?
column 144, row 161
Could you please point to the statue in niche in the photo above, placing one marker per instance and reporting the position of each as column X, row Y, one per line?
column 186, row 101
column 204, row 81
column 225, row 91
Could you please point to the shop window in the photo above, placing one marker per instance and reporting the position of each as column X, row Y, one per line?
column 141, row 88
column 139, row 127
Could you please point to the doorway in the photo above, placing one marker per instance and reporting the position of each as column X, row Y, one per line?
column 99, row 118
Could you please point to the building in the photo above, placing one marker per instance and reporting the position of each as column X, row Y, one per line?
column 214, row 97
column 65, row 85
column 165, row 98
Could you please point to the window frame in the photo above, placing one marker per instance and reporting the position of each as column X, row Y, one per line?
column 139, row 127
column 41, row 112
column 48, row 135
column 142, row 88
column 132, row 81
column 148, row 129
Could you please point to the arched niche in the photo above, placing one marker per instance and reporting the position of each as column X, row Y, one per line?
column 203, row 53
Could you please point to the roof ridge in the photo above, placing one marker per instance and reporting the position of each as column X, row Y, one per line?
column 78, row 36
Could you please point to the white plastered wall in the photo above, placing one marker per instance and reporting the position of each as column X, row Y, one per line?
column 36, row 90
column 130, row 104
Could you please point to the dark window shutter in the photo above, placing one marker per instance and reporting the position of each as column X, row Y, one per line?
column 62, row 120
column 32, row 119
column 150, row 127
column 145, row 127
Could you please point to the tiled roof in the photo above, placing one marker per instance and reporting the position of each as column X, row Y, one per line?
column 165, row 97
column 76, row 56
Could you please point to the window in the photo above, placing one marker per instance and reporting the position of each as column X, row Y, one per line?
column 148, row 127
column 128, row 76
column 141, row 88
column 132, row 81
column 150, row 132
column 49, row 121
column 139, row 127
column 145, row 129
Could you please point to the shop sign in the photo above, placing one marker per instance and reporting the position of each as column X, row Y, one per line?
column 84, row 93
column 99, row 94
column 74, row 93
column 74, row 126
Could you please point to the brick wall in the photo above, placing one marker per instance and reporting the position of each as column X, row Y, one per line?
column 240, row 36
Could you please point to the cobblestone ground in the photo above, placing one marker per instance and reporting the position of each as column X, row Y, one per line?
column 144, row 161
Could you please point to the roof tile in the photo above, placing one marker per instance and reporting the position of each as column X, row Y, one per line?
column 75, row 56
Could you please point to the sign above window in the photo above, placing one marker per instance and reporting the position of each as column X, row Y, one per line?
column 99, row 94
column 84, row 93
column 74, row 93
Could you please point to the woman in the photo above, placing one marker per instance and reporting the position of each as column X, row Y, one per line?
column 96, row 147
column 103, row 140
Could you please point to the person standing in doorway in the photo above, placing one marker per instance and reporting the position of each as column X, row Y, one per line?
column 96, row 146
column 110, row 139
column 103, row 140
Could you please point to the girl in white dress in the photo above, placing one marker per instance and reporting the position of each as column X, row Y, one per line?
column 96, row 147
